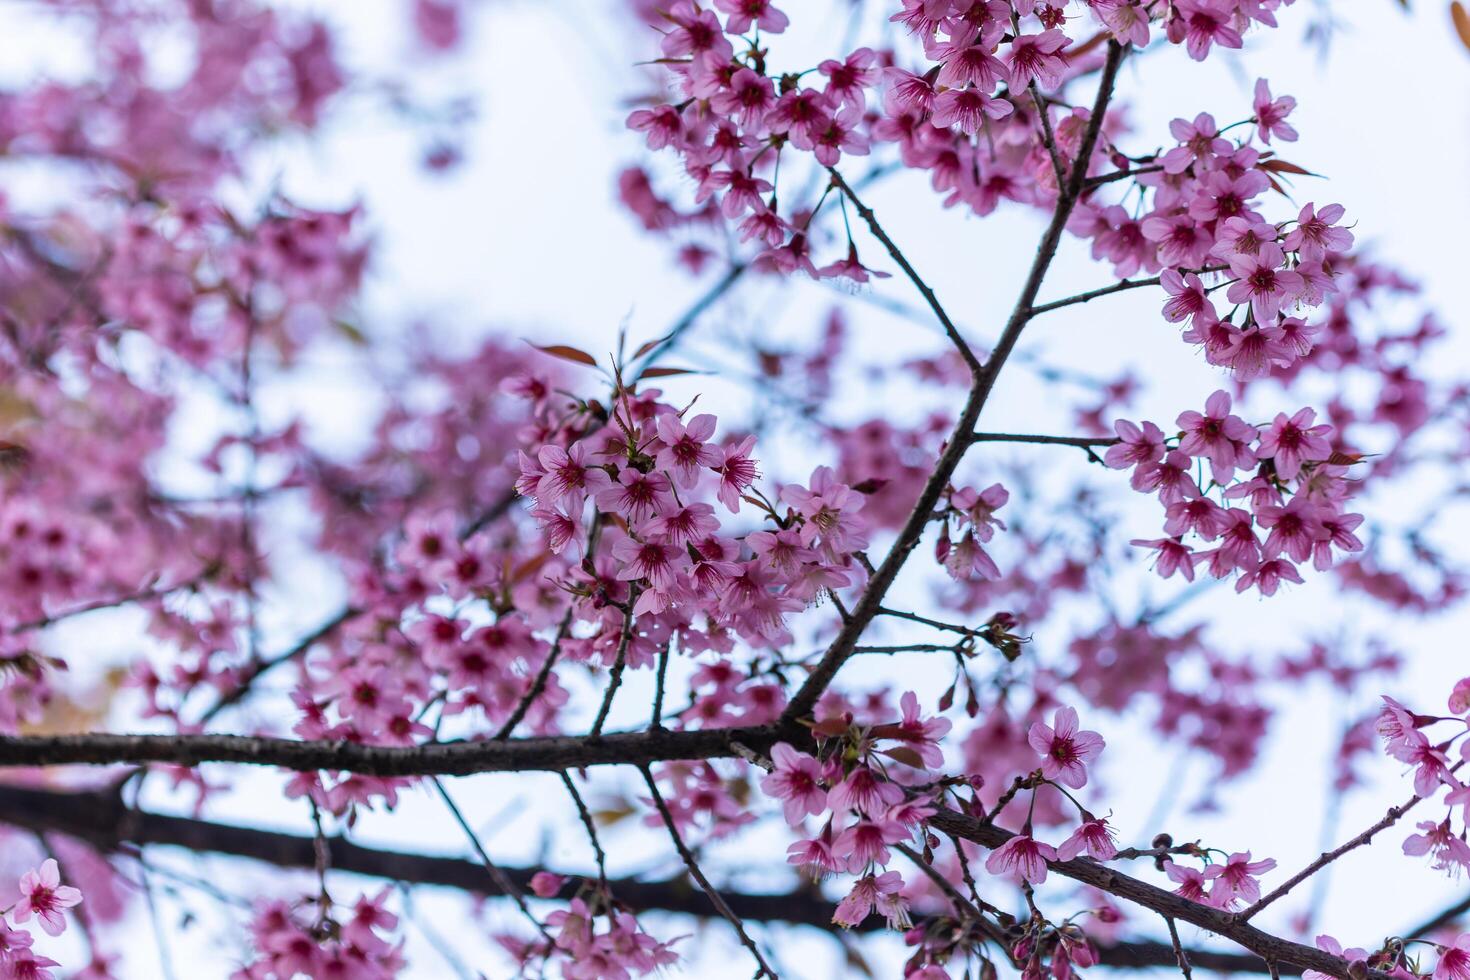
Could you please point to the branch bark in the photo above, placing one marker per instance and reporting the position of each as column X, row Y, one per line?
column 551, row 754
column 101, row 820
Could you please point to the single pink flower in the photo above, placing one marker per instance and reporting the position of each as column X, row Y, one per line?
column 1094, row 836
column 1218, row 435
column 1022, row 855
column 1039, row 57
column 1454, row 961
column 1262, row 280
column 1170, row 555
column 1237, row 879
column 1294, row 441
column 1065, row 751
column 686, row 448
column 1191, row 881
column 43, row 894
column 1271, row 115
column 796, row 781
column 1136, row 445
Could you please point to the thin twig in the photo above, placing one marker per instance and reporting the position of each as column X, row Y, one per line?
column 962, row 905
column 1081, row 442
column 658, row 686
column 323, row 862
column 502, row 880
column 253, row 671
column 619, row 663
column 866, row 213
column 591, row 827
column 1178, row 948
column 936, row 623
column 1047, row 137
column 1116, row 175
column 1093, row 294
column 539, row 684
column 1366, row 837
column 681, row 327
column 716, row 899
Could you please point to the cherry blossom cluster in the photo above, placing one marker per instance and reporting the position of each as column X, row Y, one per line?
column 664, row 556
column 1205, row 230
column 1290, row 458
column 289, row 942
column 620, row 949
column 973, row 120
column 1405, row 738
column 1396, row 958
column 864, row 810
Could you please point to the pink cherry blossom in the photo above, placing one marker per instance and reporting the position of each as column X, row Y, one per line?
column 1065, row 750
column 1021, row 856
column 43, row 895
column 796, row 781
column 1271, row 114
column 1094, row 837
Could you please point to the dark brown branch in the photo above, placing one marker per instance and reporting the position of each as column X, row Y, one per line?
column 713, row 894
column 615, row 679
column 908, row 538
column 936, row 623
column 101, row 820
column 1116, row 287
column 1047, row 137
column 551, row 754
column 1179, row 954
column 538, row 685
column 1116, row 175
column 502, row 880
column 1092, row 294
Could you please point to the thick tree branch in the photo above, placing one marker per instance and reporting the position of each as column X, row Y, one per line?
column 102, row 821
column 552, row 754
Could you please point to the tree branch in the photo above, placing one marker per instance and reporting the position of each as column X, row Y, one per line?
column 1271, row 949
column 866, row 213
column 1366, row 837
column 1092, row 294
column 102, row 821
column 882, row 579
column 1082, row 442
column 695, row 311
column 712, row 893
column 253, row 671
column 458, row 758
